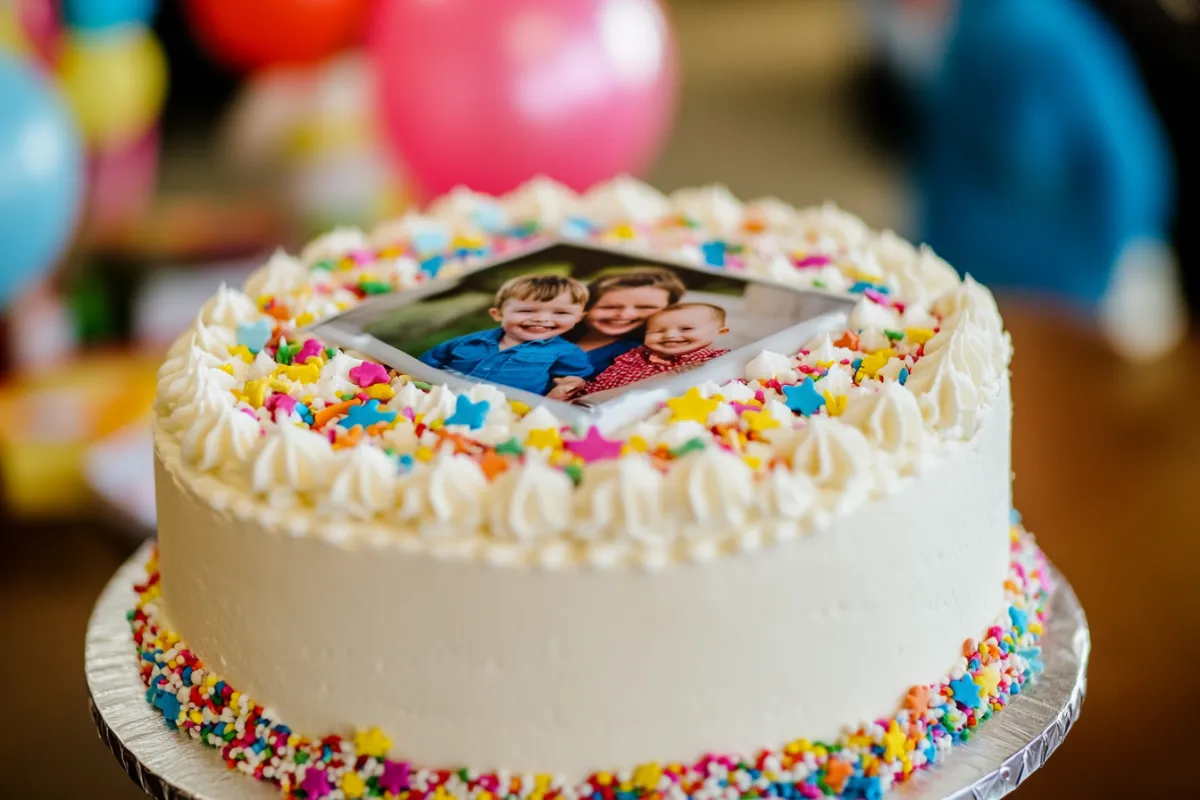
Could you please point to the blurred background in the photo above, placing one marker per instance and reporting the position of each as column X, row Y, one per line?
column 150, row 150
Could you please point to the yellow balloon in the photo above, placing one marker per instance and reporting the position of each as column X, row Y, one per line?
column 115, row 82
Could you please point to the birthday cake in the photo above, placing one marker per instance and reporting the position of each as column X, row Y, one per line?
column 610, row 496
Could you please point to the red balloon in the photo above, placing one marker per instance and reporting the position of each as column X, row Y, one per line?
column 250, row 34
column 489, row 93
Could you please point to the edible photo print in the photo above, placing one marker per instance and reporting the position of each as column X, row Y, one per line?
column 583, row 326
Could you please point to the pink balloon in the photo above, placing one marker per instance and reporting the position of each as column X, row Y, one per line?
column 121, row 181
column 489, row 93
column 40, row 20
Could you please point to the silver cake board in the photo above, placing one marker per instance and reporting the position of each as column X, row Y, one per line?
column 170, row 766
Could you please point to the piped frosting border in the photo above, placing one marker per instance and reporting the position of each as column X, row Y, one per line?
column 308, row 440
column 863, row 763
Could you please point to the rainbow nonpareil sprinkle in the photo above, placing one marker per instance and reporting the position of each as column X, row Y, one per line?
column 861, row 764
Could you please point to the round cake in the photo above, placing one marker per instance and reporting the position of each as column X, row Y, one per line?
column 617, row 495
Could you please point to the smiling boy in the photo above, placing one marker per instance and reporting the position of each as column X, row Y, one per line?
column 527, row 351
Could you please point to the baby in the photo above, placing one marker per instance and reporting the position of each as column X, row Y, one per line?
column 527, row 351
column 678, row 336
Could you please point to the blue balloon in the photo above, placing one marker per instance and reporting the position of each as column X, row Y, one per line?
column 41, row 175
column 93, row 15
column 1044, row 156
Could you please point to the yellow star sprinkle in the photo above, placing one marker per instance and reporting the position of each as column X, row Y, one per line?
column 647, row 776
column 835, row 405
column 372, row 742
column 352, row 785
column 988, row 680
column 380, row 391
column 518, row 407
column 545, row 438
column 691, row 407
column 876, row 361
column 760, row 420
column 466, row 243
column 894, row 741
column 226, row 368
column 242, row 352
column 918, row 335
column 636, row 444
column 300, row 373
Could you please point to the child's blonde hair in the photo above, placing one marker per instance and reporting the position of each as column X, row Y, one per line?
column 540, row 288
column 656, row 277
column 717, row 311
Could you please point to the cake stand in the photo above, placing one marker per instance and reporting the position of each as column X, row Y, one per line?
column 169, row 766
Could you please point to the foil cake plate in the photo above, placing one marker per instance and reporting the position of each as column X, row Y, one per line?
column 168, row 766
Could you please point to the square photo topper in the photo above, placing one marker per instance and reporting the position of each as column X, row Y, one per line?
column 600, row 335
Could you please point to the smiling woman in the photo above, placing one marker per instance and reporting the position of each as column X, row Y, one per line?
column 618, row 305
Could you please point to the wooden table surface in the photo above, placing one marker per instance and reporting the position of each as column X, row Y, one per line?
column 1107, row 461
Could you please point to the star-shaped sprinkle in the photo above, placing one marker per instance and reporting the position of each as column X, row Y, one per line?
column 368, row 373
column 836, row 406
column 316, row 783
column 254, row 335
column 848, row 340
column 512, row 447
column 917, row 700
column 803, row 398
column 762, row 420
column 492, row 464
column 353, row 786
column 876, row 361
column 544, row 438
column 893, row 742
column 868, row 787
column 1020, row 619
column 432, row 266
column 372, row 742
column 312, row 348
column 918, row 335
column 255, row 392
column 242, row 352
column 714, row 253
column 1033, row 656
column 366, row 415
column 965, row 692
column 594, row 447
column 837, row 772
column 988, row 680
column 690, row 446
column 467, row 413
column 692, row 406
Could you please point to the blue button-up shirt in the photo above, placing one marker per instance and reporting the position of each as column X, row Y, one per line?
column 531, row 366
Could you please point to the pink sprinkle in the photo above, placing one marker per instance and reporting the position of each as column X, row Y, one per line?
column 808, row 790
column 310, row 348
column 807, row 370
column 812, row 261
column 735, row 262
column 279, row 401
column 760, row 396
column 368, row 373
column 249, row 411
column 875, row 297
column 409, row 412
column 361, row 256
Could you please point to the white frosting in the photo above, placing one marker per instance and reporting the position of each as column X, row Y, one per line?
column 333, row 245
column 620, row 498
column 292, row 461
column 281, row 275
column 531, row 501
column 219, row 435
column 460, row 209
column 829, row 221
column 335, row 376
column 541, row 200
column 786, row 494
column 890, row 418
column 771, row 212
column 869, row 314
column 209, row 390
column 771, row 366
column 215, row 340
column 713, row 488
column 942, row 382
column 228, row 308
column 362, row 483
column 834, row 455
column 447, row 497
column 624, row 199
column 540, row 418
column 180, row 378
column 714, row 207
